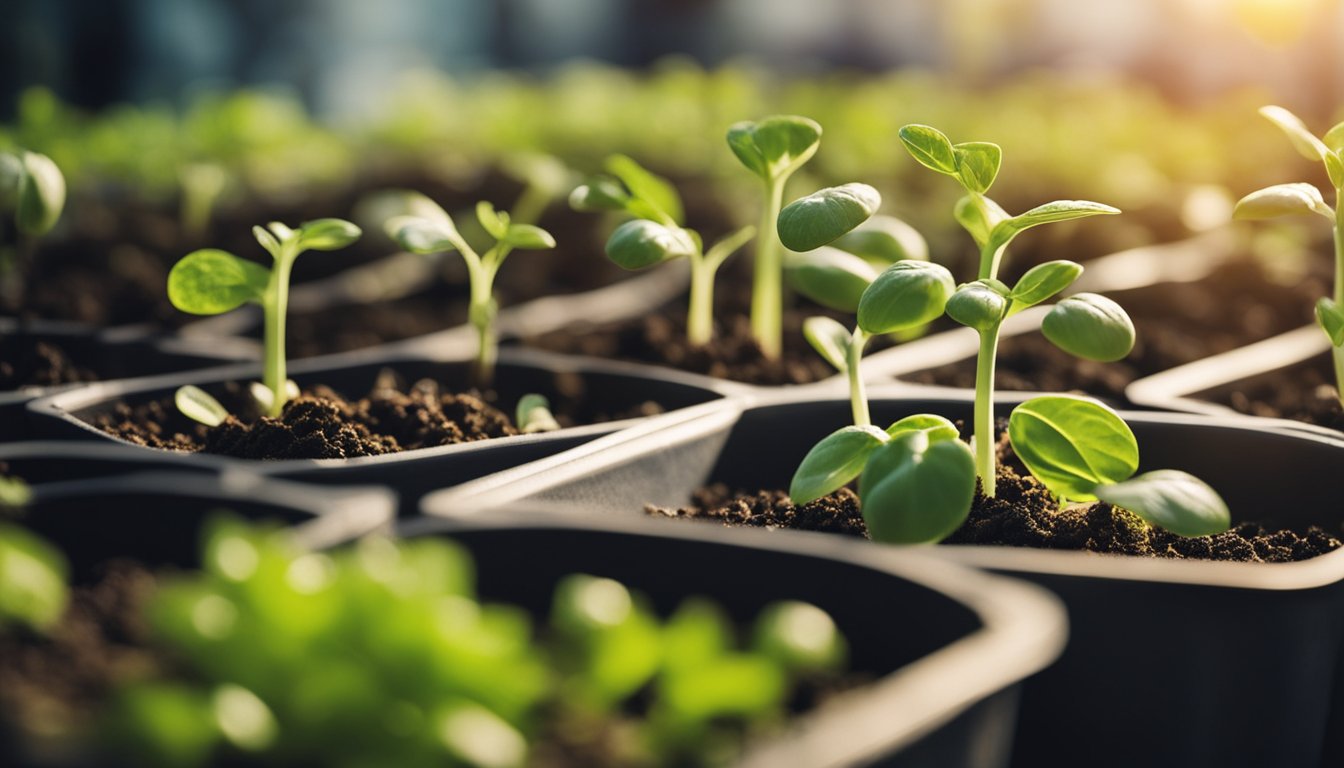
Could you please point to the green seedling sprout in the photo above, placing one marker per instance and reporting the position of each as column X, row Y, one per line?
column 32, row 190
column 210, row 282
column 1287, row 199
column 428, row 229
column 533, row 414
column 772, row 149
column 33, row 573
column 202, row 184
column 1085, row 325
column 655, row 234
column 545, row 180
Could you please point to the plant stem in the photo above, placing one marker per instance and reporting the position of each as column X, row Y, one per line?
column 482, row 313
column 700, row 312
column 1338, row 352
column 858, row 397
column 767, row 299
column 274, row 309
column 530, row 205
column 989, row 262
column 984, row 408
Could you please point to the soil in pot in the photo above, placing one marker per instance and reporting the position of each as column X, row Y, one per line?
column 28, row 361
column 1176, row 323
column 1303, row 392
column 324, row 424
column 1023, row 513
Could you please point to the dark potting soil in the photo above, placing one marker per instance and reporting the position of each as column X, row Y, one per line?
column 1175, row 323
column 323, row 424
column 1303, row 392
column 49, row 682
column 29, row 362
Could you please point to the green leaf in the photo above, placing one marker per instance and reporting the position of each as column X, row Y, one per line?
column 884, row 240
column 1042, row 282
column 422, row 235
column 978, row 305
column 978, row 215
column 1282, row 200
column 799, row 636
column 977, row 164
column 907, row 294
column 1091, row 327
column 599, row 194
column 916, row 490
column 1060, row 210
column 733, row 685
column 327, row 234
column 833, row 462
column 1334, row 168
column 1334, row 138
column 1073, row 444
column 41, row 195
column 642, row 243
column 211, row 281
column 1331, row 317
column 654, row 190
column 32, row 580
column 1171, row 500
column 700, row 631
column 775, row 147
column 936, row 427
column 11, row 180
column 1304, row 141
column 199, row 405
column 14, row 494
column 813, row 221
column 830, row 339
column 495, row 224
column 267, row 241
column 534, row 415
column 930, row 147
column 528, row 237
column 830, row 277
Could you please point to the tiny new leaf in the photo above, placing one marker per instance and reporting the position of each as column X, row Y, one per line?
column 775, row 147
column 980, row 305
column 1059, row 210
column 198, row 405
column 1331, row 317
column 41, row 195
column 930, row 147
column 1042, row 282
column 1282, row 200
column 978, row 164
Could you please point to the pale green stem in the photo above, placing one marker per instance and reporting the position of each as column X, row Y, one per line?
column 700, row 312
column 989, row 262
column 1338, row 352
column 767, row 290
column 858, row 397
column 482, row 311
column 984, row 408
column 274, row 307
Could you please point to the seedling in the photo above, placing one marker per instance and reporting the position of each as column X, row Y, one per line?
column 655, row 234
column 32, row 189
column 533, row 414
column 210, row 282
column 772, row 149
column 202, row 184
column 33, row 573
column 545, row 180
column 428, row 229
column 1085, row 325
column 1286, row 199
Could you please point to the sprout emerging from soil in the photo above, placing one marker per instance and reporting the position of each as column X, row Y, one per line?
column 32, row 191
column 210, row 282
column 1288, row 199
column 655, row 234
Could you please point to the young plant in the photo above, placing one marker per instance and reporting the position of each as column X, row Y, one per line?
column 545, row 180
column 655, row 234
column 32, row 191
column 428, row 229
column 1085, row 325
column 909, row 294
column 210, row 282
column 772, row 149
column 201, row 185
column 33, row 573
column 1286, row 199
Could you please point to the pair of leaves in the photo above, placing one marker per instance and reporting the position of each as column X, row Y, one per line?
column 1083, row 451
column 916, row 479
column 775, row 147
column 429, row 229
column 35, row 187
column 630, row 188
column 200, row 406
column 1329, row 151
column 527, row 237
column 974, row 163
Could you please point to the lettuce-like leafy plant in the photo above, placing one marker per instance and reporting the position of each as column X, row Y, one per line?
column 773, row 149
column 1085, row 325
column 656, row 235
column 210, row 282
column 429, row 229
column 1288, row 199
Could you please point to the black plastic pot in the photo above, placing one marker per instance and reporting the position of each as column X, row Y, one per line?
column 946, row 646
column 115, row 354
column 1183, row 388
column 1178, row 663
column 613, row 387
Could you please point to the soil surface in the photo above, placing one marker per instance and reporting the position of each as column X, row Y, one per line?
column 1022, row 513
column 48, row 683
column 1175, row 323
column 26, row 361
column 323, row 424
column 1303, row 392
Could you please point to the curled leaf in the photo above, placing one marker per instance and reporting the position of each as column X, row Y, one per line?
column 41, row 195
column 979, row 305
column 775, row 147
column 652, row 189
column 977, row 164
column 830, row 277
column 327, row 234
column 534, row 415
column 907, row 294
column 1331, row 317
column 1090, row 326
column 642, row 243
column 1303, row 140
column 817, row 219
column 1282, row 200
column 830, row 339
